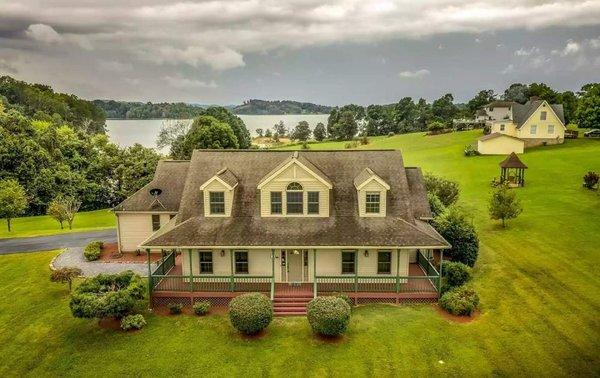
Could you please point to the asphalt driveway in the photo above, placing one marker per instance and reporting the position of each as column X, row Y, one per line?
column 44, row 243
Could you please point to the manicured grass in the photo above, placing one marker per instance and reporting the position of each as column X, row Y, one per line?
column 538, row 281
column 44, row 225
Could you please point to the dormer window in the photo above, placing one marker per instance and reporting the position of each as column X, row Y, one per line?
column 295, row 198
column 217, row 202
column 373, row 203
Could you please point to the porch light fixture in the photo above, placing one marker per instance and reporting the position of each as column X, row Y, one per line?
column 366, row 253
column 222, row 253
column 296, row 252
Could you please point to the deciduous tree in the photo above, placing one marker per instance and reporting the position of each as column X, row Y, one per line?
column 504, row 204
column 319, row 132
column 13, row 200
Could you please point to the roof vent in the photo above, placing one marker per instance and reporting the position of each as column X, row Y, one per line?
column 155, row 192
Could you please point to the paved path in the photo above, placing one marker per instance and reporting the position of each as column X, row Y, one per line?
column 73, row 243
column 73, row 257
column 44, row 243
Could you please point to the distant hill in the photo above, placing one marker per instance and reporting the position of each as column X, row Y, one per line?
column 139, row 110
column 261, row 107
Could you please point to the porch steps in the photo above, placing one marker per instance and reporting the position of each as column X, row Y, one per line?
column 287, row 304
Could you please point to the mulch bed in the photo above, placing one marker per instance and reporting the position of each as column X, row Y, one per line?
column 110, row 253
column 187, row 310
column 457, row 318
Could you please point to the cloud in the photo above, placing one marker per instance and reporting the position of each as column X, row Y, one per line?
column 414, row 74
column 508, row 69
column 7, row 67
column 43, row 33
column 527, row 52
column 571, row 48
column 219, row 58
column 115, row 66
column 185, row 83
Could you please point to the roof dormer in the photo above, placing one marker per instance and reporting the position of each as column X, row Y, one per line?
column 218, row 192
column 371, row 193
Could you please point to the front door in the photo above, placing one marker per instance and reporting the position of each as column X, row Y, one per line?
column 294, row 261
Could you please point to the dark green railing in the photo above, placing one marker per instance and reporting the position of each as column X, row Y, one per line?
column 211, row 283
column 165, row 264
column 426, row 264
column 382, row 284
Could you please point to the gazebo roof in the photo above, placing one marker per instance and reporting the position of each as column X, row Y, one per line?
column 512, row 161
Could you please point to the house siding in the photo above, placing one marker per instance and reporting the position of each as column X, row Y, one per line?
column 509, row 127
column 329, row 263
column 372, row 186
column 500, row 146
column 542, row 134
column 216, row 186
column 134, row 228
column 279, row 183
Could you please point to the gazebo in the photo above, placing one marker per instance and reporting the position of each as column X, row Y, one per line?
column 513, row 171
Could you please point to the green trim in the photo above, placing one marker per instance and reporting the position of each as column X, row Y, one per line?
column 231, row 283
column 272, row 274
column 397, row 271
column 150, row 281
column 191, row 275
column 314, row 273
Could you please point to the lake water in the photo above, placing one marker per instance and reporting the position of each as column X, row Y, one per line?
column 144, row 131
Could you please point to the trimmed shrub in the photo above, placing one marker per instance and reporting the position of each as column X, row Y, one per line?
column 590, row 180
column 133, row 322
column 107, row 295
column 454, row 226
column 201, row 308
column 175, row 308
column 328, row 316
column 460, row 301
column 470, row 150
column 92, row 251
column 436, row 127
column 456, row 273
column 250, row 313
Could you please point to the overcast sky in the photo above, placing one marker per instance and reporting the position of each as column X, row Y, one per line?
column 327, row 52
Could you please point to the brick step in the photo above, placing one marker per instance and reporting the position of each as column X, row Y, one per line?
column 289, row 308
column 290, row 304
column 291, row 299
column 293, row 295
column 290, row 313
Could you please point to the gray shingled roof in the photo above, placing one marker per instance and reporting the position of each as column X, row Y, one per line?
column 227, row 176
column 500, row 104
column 169, row 177
column 521, row 113
column 405, row 202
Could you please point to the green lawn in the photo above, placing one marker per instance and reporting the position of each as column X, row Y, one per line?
column 44, row 225
column 538, row 281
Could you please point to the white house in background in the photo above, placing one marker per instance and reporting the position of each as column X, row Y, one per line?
column 514, row 127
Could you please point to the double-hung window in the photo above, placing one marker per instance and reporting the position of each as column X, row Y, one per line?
column 276, row 205
column 206, row 262
column 295, row 198
column 384, row 262
column 501, row 127
column 348, row 262
column 372, row 204
column 550, row 129
column 533, row 130
column 155, row 222
column 217, row 202
column 313, row 202
column 542, row 116
column 241, row 262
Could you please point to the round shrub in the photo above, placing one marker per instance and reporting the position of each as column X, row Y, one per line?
column 175, row 308
column 133, row 322
column 250, row 313
column 456, row 273
column 201, row 308
column 454, row 226
column 460, row 301
column 328, row 316
column 91, row 252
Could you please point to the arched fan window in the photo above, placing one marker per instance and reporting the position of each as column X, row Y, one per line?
column 295, row 198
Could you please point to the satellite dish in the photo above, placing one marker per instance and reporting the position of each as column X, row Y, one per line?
column 155, row 192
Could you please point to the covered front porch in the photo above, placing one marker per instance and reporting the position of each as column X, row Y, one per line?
column 366, row 275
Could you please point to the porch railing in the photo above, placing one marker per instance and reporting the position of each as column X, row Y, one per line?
column 391, row 284
column 426, row 264
column 211, row 283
